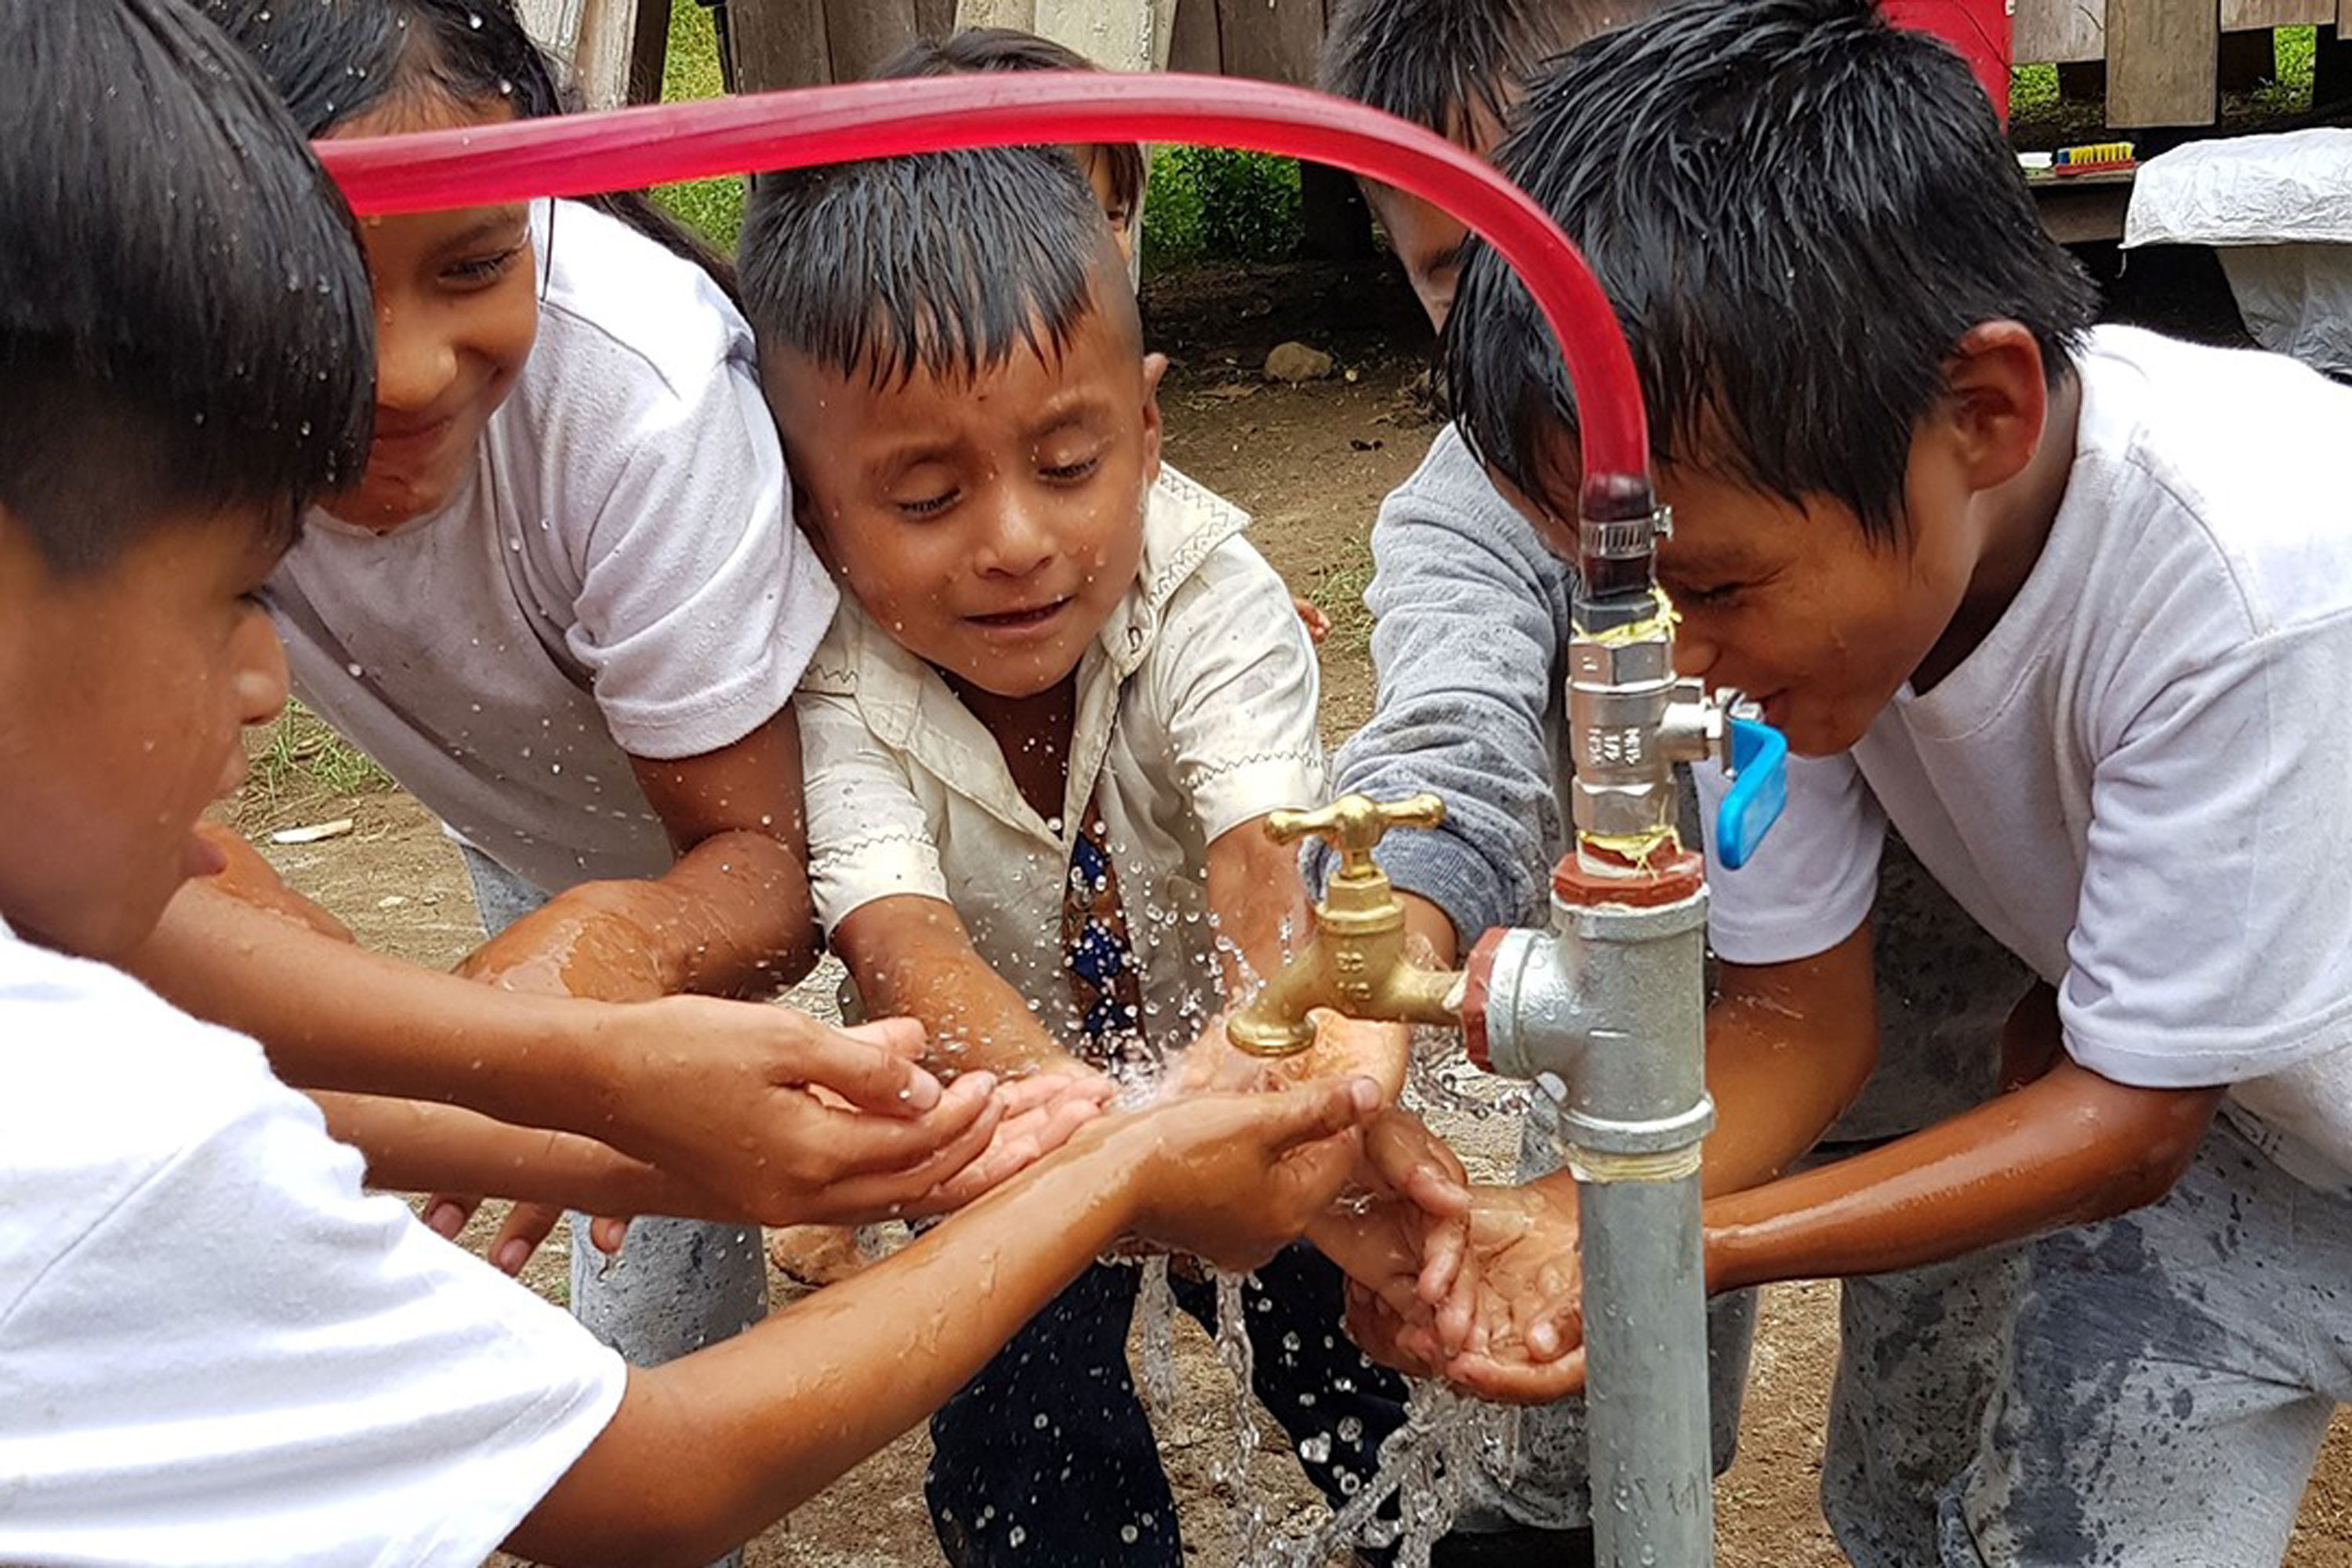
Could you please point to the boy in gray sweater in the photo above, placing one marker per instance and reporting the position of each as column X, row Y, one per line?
column 1468, row 651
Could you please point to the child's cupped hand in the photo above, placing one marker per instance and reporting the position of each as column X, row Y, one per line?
column 1524, row 1338
column 1343, row 1047
column 1040, row 1114
column 1400, row 1229
column 1234, row 1178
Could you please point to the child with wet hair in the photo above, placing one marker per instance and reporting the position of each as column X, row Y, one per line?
column 1060, row 699
column 1469, row 649
column 2039, row 596
column 1117, row 172
column 564, row 605
column 215, row 1346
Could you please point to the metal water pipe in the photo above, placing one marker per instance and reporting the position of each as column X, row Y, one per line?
column 1606, row 1006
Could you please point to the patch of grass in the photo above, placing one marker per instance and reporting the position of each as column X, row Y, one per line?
column 2289, row 89
column 305, row 757
column 1338, row 592
column 713, row 208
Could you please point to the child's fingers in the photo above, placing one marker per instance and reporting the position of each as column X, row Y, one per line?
column 900, row 1036
column 1313, row 1112
column 1414, row 1162
column 606, row 1232
column 1507, row 1381
column 858, row 1144
column 526, row 1224
column 871, row 1068
column 1445, row 1249
column 914, row 1189
column 446, row 1213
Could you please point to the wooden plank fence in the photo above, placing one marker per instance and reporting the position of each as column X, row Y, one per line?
column 2160, row 55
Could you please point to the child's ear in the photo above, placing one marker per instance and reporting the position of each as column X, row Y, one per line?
column 805, row 518
column 1997, row 402
column 1154, row 367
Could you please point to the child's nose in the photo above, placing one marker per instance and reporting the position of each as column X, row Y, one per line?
column 1694, row 651
column 1018, row 544
column 261, row 678
column 414, row 363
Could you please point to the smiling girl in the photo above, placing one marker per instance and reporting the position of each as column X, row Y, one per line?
column 564, row 605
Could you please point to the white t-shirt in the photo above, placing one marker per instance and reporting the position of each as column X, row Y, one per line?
column 1196, row 712
column 2138, row 781
column 213, row 1347
column 618, row 574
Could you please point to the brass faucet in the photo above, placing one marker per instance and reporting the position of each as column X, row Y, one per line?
column 1355, row 962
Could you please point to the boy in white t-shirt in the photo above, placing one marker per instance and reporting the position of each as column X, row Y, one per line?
column 2072, row 611
column 1060, row 698
column 213, row 1347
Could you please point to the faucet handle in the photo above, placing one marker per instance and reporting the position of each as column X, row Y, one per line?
column 1354, row 823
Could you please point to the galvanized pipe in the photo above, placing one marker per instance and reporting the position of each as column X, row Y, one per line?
column 1607, row 1012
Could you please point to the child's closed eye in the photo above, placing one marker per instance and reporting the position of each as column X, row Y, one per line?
column 1071, row 473
column 479, row 271
column 927, row 506
column 1713, row 596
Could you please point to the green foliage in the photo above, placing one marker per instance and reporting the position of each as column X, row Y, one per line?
column 712, row 208
column 1217, row 204
column 305, row 757
column 2289, row 89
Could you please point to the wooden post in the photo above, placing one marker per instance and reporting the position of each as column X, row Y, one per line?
column 1195, row 45
column 2160, row 62
column 1274, row 41
column 778, row 44
column 862, row 34
column 611, row 50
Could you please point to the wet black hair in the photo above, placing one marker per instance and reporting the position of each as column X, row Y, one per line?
column 1446, row 64
column 334, row 60
column 970, row 50
column 944, row 263
column 184, row 316
column 1798, row 211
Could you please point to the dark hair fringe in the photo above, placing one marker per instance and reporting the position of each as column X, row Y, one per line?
column 185, row 317
column 943, row 263
column 972, row 50
column 1798, row 211
column 334, row 60
column 1443, row 64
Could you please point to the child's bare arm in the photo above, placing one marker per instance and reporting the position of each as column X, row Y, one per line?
column 709, row 1448
column 1789, row 1047
column 911, row 956
column 414, row 1145
column 418, row 1146
column 731, row 916
column 1260, row 905
column 715, row 1093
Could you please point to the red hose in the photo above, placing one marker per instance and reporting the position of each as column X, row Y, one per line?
column 628, row 149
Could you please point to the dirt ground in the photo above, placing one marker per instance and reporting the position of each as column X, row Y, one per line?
column 1311, row 462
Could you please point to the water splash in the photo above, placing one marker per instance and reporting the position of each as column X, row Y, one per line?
column 1155, row 1310
column 1233, row 1349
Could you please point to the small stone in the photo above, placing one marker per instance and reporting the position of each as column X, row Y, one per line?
column 1294, row 363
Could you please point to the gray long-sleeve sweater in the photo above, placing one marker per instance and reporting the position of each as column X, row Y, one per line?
column 1469, row 641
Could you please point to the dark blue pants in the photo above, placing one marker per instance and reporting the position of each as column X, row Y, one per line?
column 1047, row 1458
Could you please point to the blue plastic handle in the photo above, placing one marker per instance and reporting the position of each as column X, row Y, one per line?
column 1760, row 772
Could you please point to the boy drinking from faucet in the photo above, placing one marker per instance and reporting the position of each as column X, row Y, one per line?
column 2047, row 600
column 1060, row 699
column 1470, row 648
